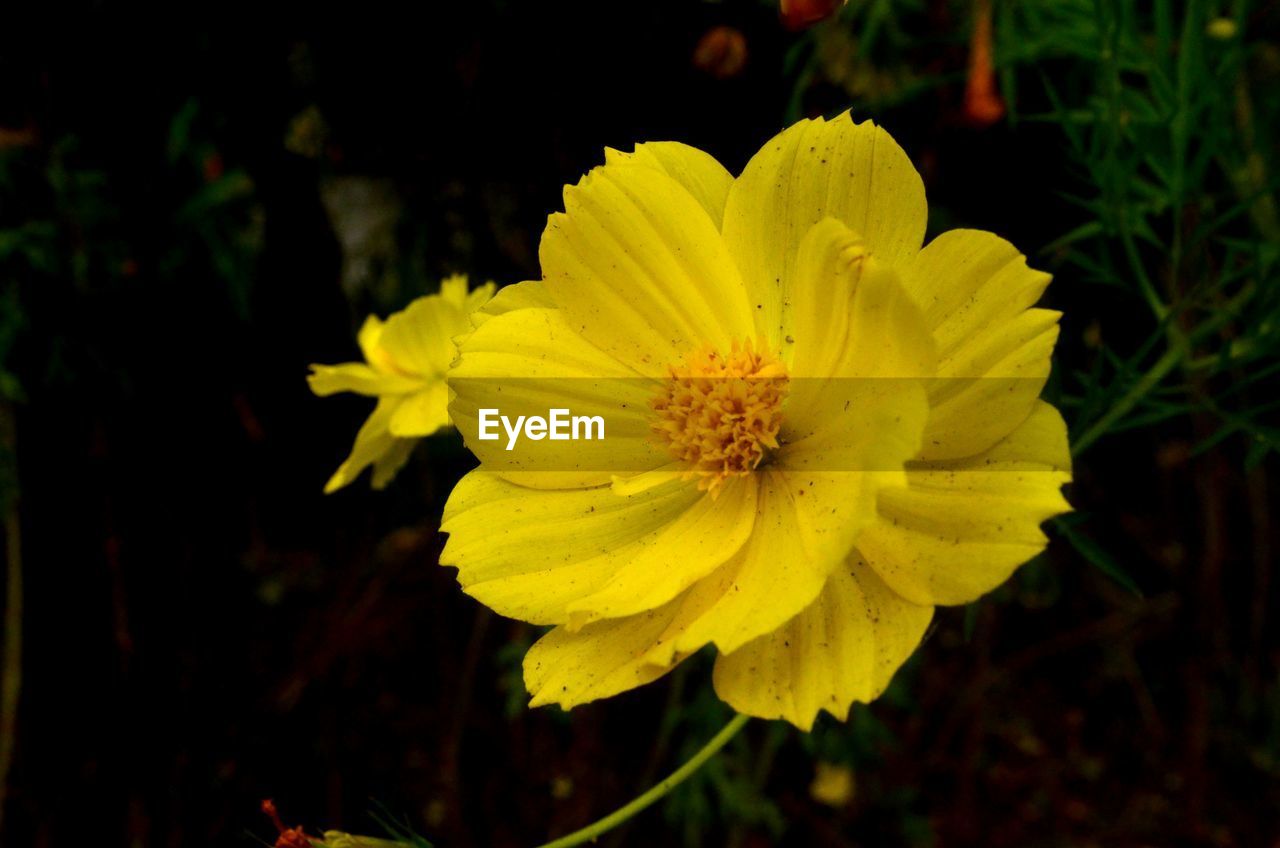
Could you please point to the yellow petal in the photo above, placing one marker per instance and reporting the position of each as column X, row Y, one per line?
column 962, row 527
column 422, row 413
column 857, row 408
column 848, row 314
column 419, row 339
column 855, row 173
column 479, row 297
column 699, row 172
column 367, row 337
column 526, row 295
column 357, row 377
column 600, row 660
column 660, row 565
column 454, row 290
column 373, row 442
column 970, row 413
column 638, row 267
column 529, row 361
column 993, row 349
column 837, row 469
column 844, row 647
column 388, row 465
column 530, row 553
column 769, row 580
column 624, row 484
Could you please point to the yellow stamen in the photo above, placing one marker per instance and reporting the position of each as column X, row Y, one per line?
column 720, row 414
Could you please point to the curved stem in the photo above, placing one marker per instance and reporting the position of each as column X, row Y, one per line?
column 657, row 793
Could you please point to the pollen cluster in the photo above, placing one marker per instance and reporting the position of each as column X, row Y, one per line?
column 720, row 414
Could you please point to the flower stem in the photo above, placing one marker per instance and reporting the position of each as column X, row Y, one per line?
column 657, row 793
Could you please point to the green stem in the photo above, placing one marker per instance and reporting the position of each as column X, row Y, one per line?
column 657, row 793
column 1136, row 392
column 1178, row 353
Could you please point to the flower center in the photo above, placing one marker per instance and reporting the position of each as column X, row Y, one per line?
column 720, row 413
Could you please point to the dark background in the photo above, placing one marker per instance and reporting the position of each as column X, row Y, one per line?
column 203, row 629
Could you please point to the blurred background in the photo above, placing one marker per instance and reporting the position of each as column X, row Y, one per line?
column 196, row 204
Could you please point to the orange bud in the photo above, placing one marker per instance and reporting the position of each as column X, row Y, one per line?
column 800, row 14
column 721, row 52
column 982, row 103
column 289, row 837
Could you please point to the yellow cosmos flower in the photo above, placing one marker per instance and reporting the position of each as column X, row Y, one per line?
column 406, row 358
column 819, row 429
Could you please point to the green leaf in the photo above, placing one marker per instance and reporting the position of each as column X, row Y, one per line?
column 1096, row 556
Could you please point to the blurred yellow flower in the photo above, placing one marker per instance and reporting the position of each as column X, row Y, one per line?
column 832, row 784
column 338, row 839
column 406, row 358
column 818, row 429
column 1222, row 29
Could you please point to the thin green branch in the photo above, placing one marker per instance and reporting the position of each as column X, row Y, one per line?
column 1172, row 357
column 657, row 793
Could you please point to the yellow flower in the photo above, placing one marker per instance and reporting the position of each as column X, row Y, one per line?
column 817, row 429
column 833, row 784
column 338, row 839
column 406, row 359
column 1222, row 29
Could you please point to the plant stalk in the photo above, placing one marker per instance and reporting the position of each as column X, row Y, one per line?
column 657, row 793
